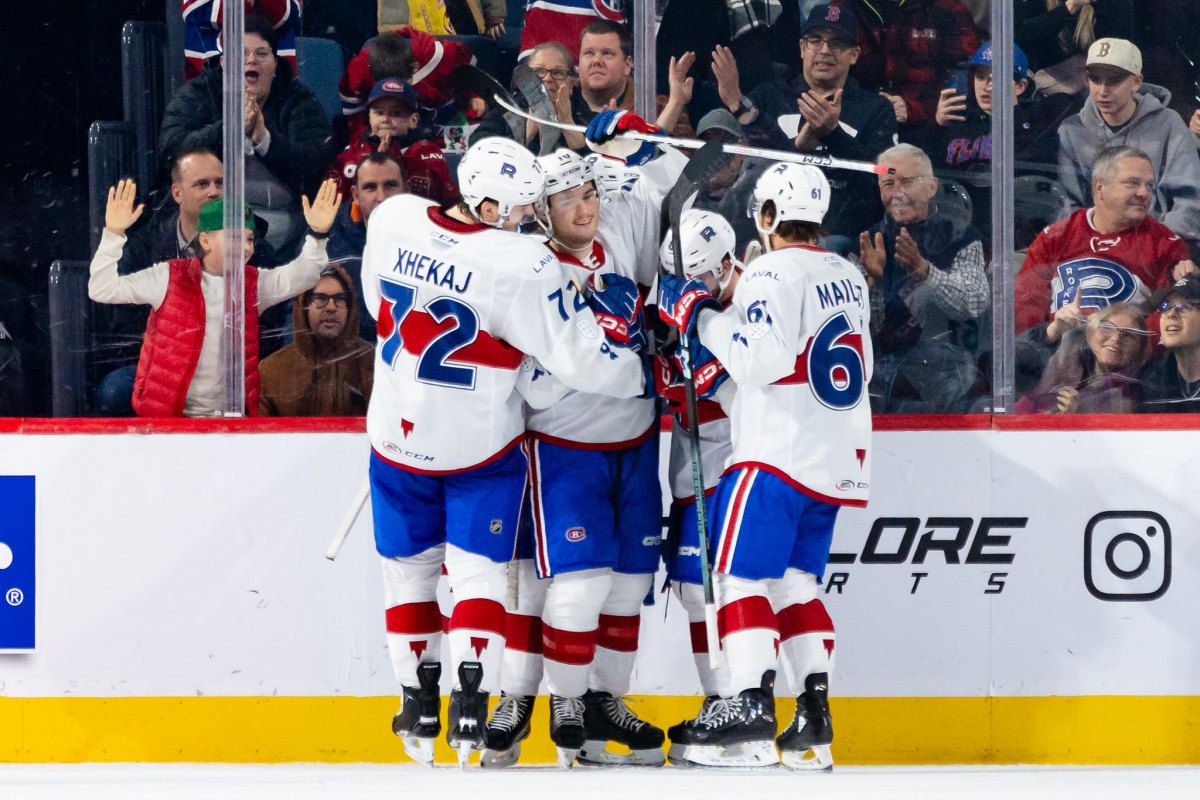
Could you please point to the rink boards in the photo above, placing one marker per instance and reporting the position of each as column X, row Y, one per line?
column 1011, row 595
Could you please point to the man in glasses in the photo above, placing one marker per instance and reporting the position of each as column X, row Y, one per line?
column 1171, row 381
column 327, row 370
column 836, row 117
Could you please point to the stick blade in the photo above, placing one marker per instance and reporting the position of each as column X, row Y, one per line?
column 704, row 163
column 531, row 89
column 469, row 79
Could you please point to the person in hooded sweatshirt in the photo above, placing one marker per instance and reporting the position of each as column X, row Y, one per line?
column 327, row 371
column 1121, row 111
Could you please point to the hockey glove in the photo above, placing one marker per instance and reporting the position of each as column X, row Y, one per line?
column 609, row 124
column 680, row 302
column 618, row 311
column 707, row 372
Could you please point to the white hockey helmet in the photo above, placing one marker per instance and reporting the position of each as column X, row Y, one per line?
column 501, row 170
column 565, row 169
column 612, row 175
column 705, row 240
column 800, row 192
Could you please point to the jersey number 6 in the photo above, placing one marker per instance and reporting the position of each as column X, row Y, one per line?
column 835, row 364
column 434, row 348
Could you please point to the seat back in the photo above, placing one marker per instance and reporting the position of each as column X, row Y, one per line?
column 319, row 66
column 70, row 337
column 110, row 158
column 143, row 84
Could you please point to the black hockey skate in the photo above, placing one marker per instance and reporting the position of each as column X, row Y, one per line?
column 811, row 729
column 468, row 712
column 566, row 728
column 418, row 722
column 505, row 731
column 733, row 732
column 607, row 719
column 678, row 731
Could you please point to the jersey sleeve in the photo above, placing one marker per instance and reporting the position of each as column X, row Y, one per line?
column 537, row 387
column 1033, row 286
column 300, row 275
column 105, row 285
column 637, row 213
column 756, row 338
column 546, row 317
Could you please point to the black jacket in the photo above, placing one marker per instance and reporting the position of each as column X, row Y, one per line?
column 868, row 127
column 301, row 140
column 1164, row 390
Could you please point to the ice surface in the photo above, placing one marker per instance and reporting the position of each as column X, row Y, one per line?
column 305, row 781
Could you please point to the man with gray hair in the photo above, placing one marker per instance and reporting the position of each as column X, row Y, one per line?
column 928, row 292
column 1122, row 111
column 1113, row 252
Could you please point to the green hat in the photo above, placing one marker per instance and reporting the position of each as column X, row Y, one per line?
column 212, row 216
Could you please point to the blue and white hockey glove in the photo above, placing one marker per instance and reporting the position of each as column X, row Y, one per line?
column 618, row 311
column 707, row 373
column 680, row 301
column 609, row 124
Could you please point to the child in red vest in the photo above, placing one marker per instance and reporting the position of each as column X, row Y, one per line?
column 179, row 371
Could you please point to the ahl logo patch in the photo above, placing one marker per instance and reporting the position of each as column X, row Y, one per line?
column 576, row 534
column 496, row 526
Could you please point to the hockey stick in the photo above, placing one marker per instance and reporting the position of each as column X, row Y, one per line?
column 825, row 162
column 705, row 163
column 348, row 521
column 533, row 91
column 470, row 79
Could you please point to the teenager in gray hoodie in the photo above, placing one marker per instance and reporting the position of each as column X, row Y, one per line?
column 1122, row 111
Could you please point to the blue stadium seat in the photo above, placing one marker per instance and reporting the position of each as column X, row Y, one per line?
column 70, row 338
column 173, row 14
column 110, row 158
column 319, row 64
column 143, row 84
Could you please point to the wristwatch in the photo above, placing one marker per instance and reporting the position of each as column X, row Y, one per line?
column 745, row 105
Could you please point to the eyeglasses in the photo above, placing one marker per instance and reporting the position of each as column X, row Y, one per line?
column 340, row 300
column 261, row 54
column 1108, row 330
column 837, row 45
column 903, row 184
column 558, row 74
column 1178, row 308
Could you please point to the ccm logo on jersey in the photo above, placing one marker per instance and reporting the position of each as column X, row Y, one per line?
column 576, row 534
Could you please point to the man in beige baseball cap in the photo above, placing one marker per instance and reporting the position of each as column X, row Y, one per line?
column 1121, row 110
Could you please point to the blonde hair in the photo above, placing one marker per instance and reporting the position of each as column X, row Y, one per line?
column 1085, row 27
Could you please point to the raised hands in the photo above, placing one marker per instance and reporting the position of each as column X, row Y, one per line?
column 1069, row 316
column 725, row 70
column 952, row 107
column 908, row 254
column 120, row 213
column 872, row 255
column 679, row 80
column 323, row 210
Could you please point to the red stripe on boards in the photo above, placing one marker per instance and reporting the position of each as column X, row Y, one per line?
column 746, row 614
column 414, row 618
column 798, row 619
column 479, row 615
column 618, row 633
column 568, row 647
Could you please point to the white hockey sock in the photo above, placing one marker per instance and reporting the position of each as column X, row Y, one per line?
column 806, row 632
column 523, row 640
column 713, row 681
column 617, row 635
column 749, row 632
column 414, row 623
column 478, row 622
column 569, row 628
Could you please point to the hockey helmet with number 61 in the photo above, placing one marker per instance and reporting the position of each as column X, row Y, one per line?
column 800, row 193
column 501, row 170
column 705, row 241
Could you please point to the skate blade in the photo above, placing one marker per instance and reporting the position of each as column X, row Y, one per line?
column 677, row 755
column 464, row 754
column 595, row 754
column 499, row 759
column 747, row 755
column 818, row 757
column 566, row 756
column 418, row 749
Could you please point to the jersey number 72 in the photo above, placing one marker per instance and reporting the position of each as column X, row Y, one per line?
column 425, row 337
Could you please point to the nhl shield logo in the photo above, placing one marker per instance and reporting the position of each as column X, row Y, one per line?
column 496, row 526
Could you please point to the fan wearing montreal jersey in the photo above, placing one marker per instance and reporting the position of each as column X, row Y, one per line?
column 461, row 300
column 593, row 466
column 795, row 341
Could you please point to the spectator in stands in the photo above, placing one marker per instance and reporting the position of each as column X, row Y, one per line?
column 1096, row 368
column 555, row 68
column 928, row 288
column 1171, row 381
column 730, row 190
column 377, row 177
column 837, row 117
column 925, row 40
column 1122, row 111
column 1056, row 35
column 477, row 17
column 962, row 141
column 413, row 56
column 606, row 66
column 327, row 370
column 202, row 20
column 288, row 136
column 179, row 372
column 396, row 127
column 1115, row 251
column 564, row 21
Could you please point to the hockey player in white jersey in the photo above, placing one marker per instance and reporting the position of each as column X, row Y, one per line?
column 593, row 479
column 796, row 342
column 460, row 299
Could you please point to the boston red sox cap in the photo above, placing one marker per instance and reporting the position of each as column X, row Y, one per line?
column 834, row 17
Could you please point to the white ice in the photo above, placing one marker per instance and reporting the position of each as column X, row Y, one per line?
column 306, row 781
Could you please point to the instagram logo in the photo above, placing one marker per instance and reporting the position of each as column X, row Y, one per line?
column 1127, row 555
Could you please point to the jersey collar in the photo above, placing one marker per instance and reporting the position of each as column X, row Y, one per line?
column 599, row 259
column 438, row 216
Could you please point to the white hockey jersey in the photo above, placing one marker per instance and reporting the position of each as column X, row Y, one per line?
column 627, row 244
column 797, row 342
column 458, row 307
